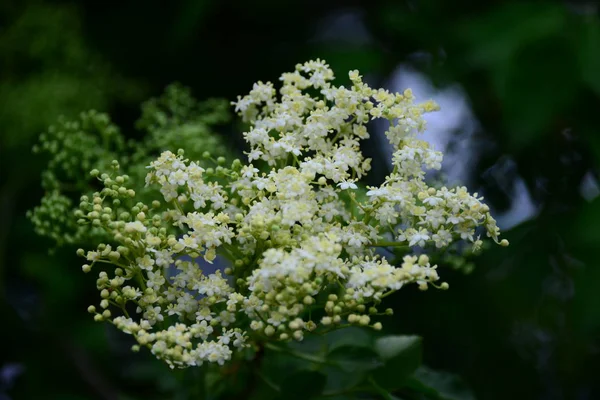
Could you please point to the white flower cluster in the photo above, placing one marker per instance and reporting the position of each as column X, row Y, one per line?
column 301, row 245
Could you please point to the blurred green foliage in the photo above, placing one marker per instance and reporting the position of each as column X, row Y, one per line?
column 524, row 325
column 175, row 120
column 49, row 69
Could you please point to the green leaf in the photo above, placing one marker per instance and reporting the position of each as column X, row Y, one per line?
column 339, row 380
column 354, row 358
column 401, row 355
column 303, row 385
column 394, row 346
column 352, row 336
column 440, row 385
column 349, row 365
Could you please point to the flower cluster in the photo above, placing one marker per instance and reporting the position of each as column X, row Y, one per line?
column 93, row 141
column 300, row 234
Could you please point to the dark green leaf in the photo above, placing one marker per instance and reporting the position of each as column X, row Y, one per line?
column 352, row 336
column 349, row 366
column 303, row 385
column 353, row 358
column 393, row 346
column 439, row 385
column 401, row 355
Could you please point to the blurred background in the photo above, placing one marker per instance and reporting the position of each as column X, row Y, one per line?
column 519, row 87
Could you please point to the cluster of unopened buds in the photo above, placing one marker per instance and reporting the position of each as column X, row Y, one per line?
column 294, row 239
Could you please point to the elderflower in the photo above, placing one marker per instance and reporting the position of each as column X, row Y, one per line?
column 300, row 235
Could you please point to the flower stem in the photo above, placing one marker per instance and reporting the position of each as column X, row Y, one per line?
column 384, row 393
column 388, row 244
column 297, row 354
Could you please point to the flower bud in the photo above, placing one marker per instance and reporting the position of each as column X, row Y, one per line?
column 269, row 330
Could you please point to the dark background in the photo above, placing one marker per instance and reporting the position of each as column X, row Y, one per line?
column 525, row 324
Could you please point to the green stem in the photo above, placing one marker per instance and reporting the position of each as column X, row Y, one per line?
column 384, row 393
column 233, row 251
column 383, row 296
column 141, row 280
column 178, row 206
column 335, row 328
column 296, row 161
column 116, row 264
column 269, row 382
column 297, row 354
column 389, row 244
column 261, row 318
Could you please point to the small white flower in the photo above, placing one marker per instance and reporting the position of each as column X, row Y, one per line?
column 347, row 184
column 135, row 226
